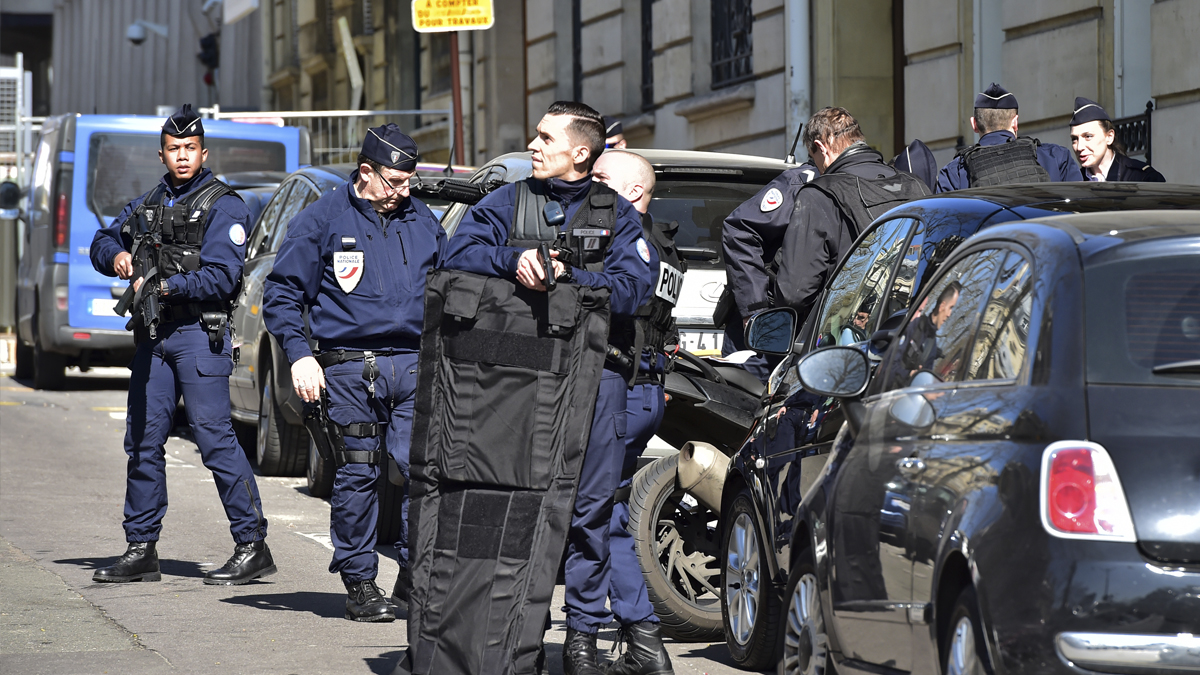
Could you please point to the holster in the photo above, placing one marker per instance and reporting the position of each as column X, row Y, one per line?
column 326, row 435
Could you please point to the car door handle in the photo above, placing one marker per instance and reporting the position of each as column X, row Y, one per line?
column 910, row 466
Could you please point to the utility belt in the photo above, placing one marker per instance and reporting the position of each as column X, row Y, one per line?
column 329, row 436
column 334, row 357
column 213, row 315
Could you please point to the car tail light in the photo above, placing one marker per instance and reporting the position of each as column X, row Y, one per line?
column 60, row 298
column 1081, row 495
column 62, row 221
column 82, row 336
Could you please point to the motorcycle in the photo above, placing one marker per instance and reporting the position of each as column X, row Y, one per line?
column 675, row 501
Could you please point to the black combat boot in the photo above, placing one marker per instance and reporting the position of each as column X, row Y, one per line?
column 401, row 590
column 139, row 563
column 579, row 654
column 250, row 561
column 644, row 652
column 366, row 603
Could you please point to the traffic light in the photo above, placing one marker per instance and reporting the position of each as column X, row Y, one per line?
column 210, row 51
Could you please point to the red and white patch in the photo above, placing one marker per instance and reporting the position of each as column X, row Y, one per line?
column 348, row 268
column 237, row 234
column 643, row 250
column 771, row 200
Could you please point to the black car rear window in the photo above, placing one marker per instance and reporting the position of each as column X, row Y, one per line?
column 1143, row 322
column 122, row 167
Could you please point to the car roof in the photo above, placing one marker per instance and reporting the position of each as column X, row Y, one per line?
column 1047, row 199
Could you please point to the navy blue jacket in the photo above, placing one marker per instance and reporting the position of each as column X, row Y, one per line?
column 1125, row 169
column 386, row 309
column 479, row 244
column 753, row 233
column 222, row 252
column 1055, row 159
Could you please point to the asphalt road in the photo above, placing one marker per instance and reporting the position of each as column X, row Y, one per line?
column 62, row 488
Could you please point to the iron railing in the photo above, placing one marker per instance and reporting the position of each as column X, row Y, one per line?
column 1134, row 132
column 732, row 45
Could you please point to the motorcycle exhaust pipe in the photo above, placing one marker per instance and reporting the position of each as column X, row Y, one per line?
column 701, row 473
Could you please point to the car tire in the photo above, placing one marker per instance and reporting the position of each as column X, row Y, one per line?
column 49, row 369
column 390, row 517
column 752, row 606
column 320, row 473
column 805, row 637
column 24, row 361
column 676, row 543
column 281, row 449
column 963, row 648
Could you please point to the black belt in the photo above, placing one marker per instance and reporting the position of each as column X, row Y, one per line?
column 336, row 356
column 172, row 313
column 343, row 457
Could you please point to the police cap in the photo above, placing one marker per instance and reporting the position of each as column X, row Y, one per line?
column 183, row 123
column 390, row 147
column 612, row 127
column 1087, row 110
column 996, row 97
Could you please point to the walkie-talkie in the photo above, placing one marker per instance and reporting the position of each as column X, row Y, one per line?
column 555, row 217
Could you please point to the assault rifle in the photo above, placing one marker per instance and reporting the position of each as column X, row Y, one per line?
column 145, row 301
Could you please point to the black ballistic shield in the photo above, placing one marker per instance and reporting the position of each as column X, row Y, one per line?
column 506, row 390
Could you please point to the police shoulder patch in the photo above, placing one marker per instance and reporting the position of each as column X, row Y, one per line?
column 643, row 250
column 237, row 234
column 771, row 200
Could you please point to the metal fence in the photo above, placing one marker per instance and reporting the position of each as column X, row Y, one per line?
column 335, row 135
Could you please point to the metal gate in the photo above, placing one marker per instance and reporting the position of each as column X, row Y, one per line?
column 17, row 126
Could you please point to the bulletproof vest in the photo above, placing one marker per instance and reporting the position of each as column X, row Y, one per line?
column 862, row 200
column 654, row 320
column 507, row 386
column 588, row 236
column 181, row 226
column 1012, row 162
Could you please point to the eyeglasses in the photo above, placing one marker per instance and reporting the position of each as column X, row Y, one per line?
column 388, row 184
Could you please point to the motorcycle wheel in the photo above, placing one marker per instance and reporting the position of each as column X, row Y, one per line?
column 677, row 544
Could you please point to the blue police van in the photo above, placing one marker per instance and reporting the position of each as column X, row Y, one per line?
column 86, row 169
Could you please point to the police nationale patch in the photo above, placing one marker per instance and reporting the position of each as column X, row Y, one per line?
column 237, row 234
column 348, row 268
column 643, row 250
column 771, row 200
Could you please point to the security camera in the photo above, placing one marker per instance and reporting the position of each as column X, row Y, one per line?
column 136, row 33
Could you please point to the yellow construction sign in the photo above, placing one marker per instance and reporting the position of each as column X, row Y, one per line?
column 437, row 16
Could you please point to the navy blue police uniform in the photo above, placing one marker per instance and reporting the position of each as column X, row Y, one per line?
column 751, row 237
column 179, row 357
column 918, row 160
column 362, row 275
column 479, row 246
column 1122, row 168
column 1056, row 160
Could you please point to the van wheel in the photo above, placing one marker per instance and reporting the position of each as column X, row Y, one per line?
column 24, row 361
column 320, row 473
column 964, row 651
column 282, row 448
column 676, row 541
column 49, row 369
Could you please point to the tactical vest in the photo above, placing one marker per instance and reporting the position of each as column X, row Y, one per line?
column 1010, row 163
column 654, row 320
column 862, row 200
column 588, row 236
column 181, row 226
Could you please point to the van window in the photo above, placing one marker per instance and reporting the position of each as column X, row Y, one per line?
column 122, row 167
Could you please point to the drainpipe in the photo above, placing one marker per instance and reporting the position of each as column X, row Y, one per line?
column 798, row 42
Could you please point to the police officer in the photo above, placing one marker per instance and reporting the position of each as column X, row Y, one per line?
column 570, row 137
column 918, row 160
column 358, row 257
column 751, row 238
column 1000, row 157
column 855, row 186
column 614, row 133
column 1101, row 155
column 183, row 348
column 633, row 178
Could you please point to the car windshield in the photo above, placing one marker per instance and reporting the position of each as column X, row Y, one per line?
column 123, row 166
column 1143, row 322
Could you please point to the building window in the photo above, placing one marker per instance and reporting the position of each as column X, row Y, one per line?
column 731, row 42
column 439, row 63
column 647, row 54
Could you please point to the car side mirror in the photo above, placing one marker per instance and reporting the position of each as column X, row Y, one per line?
column 772, row 331
column 840, row 372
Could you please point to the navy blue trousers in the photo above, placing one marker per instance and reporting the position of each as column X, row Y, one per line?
column 183, row 361
column 354, row 506
column 626, row 586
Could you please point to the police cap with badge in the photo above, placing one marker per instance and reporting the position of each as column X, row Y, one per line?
column 390, row 147
column 183, row 123
column 996, row 98
column 1087, row 110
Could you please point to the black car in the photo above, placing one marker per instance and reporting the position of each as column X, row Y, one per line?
column 890, row 264
column 1035, row 421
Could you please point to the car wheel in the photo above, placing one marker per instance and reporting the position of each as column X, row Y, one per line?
column 675, row 538
column 751, row 609
column 320, row 473
column 24, row 361
column 49, row 369
column 963, row 646
column 281, row 448
column 390, row 520
column 805, row 640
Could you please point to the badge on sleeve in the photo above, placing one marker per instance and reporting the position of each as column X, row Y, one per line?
column 348, row 268
column 237, row 234
column 771, row 200
column 643, row 250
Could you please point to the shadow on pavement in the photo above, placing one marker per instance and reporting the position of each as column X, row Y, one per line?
column 716, row 651
column 174, row 568
column 76, row 381
column 325, row 605
column 385, row 663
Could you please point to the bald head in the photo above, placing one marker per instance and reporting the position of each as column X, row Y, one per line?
column 629, row 174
